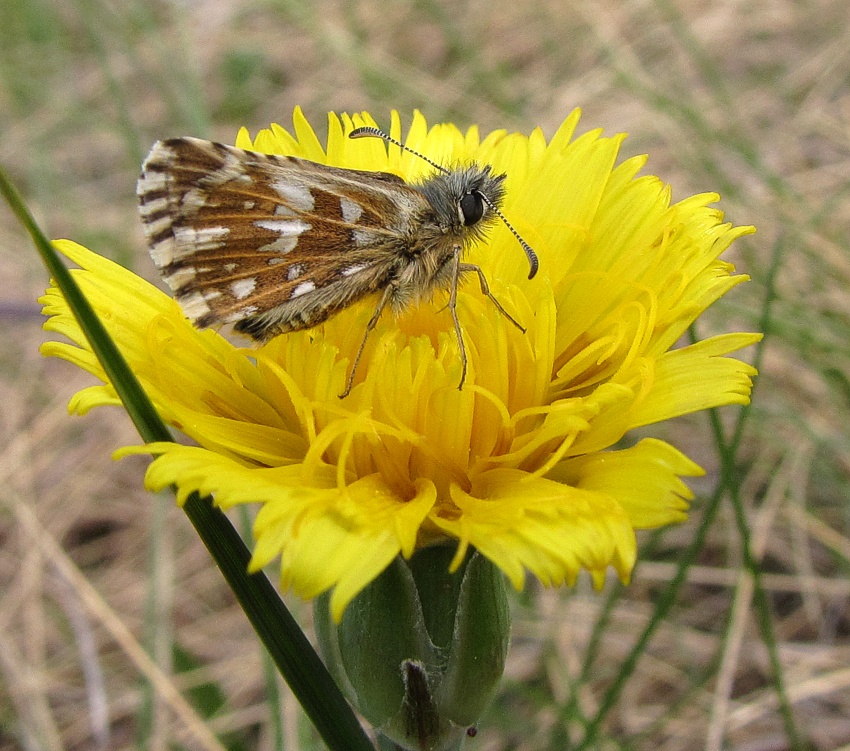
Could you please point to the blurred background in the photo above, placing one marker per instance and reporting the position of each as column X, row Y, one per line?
column 116, row 631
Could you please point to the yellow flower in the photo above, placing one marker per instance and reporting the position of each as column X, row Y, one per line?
column 518, row 464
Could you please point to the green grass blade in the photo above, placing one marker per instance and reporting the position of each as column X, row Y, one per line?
column 764, row 618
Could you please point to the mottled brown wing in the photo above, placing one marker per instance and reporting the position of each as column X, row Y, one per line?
column 267, row 242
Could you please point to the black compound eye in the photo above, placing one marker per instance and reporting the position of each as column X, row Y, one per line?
column 471, row 208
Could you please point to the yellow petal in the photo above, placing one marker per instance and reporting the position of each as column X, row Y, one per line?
column 697, row 377
column 645, row 480
column 549, row 528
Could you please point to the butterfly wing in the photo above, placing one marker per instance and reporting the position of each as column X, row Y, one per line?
column 270, row 243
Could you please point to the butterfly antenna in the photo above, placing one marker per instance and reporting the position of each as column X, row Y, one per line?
column 529, row 251
column 366, row 131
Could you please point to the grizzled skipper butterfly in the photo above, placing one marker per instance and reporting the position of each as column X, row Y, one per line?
column 274, row 244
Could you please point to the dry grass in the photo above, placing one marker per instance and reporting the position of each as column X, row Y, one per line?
column 749, row 98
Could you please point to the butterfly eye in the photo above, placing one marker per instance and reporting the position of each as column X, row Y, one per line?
column 471, row 208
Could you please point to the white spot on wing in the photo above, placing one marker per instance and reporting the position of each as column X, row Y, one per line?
column 194, row 199
column 163, row 252
column 351, row 211
column 180, row 278
column 243, row 287
column 297, row 196
column 284, row 227
column 160, row 154
column 281, row 245
column 152, row 182
column 152, row 229
column 153, row 207
column 363, row 238
column 238, row 315
column 294, row 271
column 302, row 289
column 231, row 165
column 194, row 305
column 191, row 240
column 352, row 270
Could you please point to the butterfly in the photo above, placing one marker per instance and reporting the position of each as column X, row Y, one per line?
column 274, row 244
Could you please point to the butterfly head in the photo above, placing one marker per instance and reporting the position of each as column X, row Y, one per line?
column 465, row 200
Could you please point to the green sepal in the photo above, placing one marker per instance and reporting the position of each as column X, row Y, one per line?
column 381, row 629
column 482, row 627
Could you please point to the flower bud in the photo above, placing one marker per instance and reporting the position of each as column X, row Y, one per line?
column 420, row 651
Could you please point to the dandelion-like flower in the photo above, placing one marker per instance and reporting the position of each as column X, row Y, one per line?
column 517, row 464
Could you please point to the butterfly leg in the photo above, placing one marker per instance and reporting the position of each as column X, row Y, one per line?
column 460, row 268
column 485, row 290
column 389, row 290
column 457, row 268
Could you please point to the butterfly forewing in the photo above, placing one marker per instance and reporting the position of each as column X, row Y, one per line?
column 274, row 244
column 270, row 243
